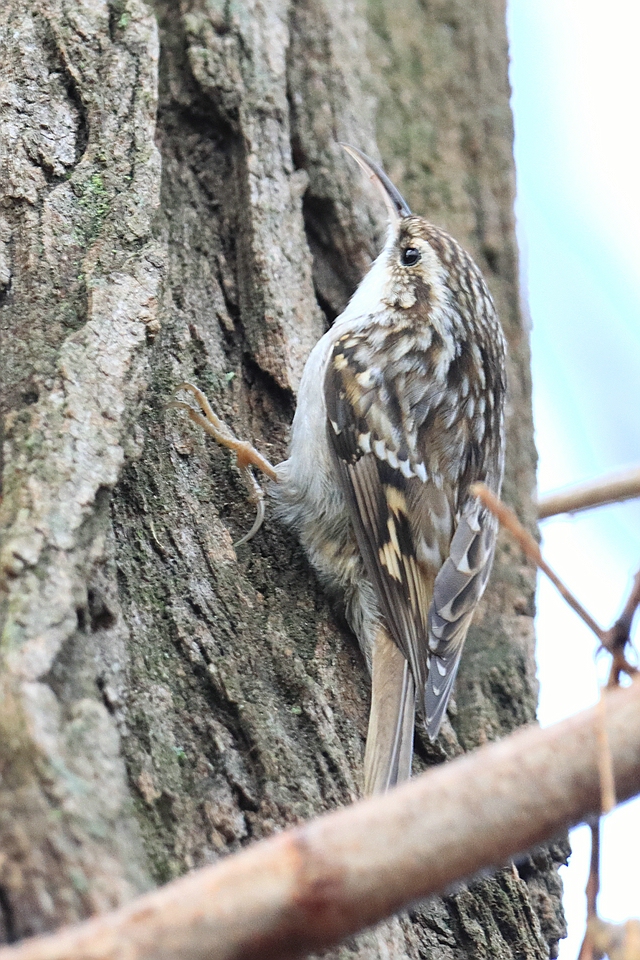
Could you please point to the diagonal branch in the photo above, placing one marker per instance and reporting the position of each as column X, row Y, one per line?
column 309, row 887
column 614, row 640
column 510, row 522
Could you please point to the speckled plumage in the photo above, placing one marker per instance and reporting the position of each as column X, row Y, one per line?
column 401, row 408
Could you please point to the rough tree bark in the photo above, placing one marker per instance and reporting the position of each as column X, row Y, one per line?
column 173, row 206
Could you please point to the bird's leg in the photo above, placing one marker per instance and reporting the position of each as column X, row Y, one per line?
column 246, row 455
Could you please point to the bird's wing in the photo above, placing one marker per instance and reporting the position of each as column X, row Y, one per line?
column 457, row 590
column 428, row 557
column 403, row 522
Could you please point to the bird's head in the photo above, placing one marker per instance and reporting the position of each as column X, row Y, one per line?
column 414, row 256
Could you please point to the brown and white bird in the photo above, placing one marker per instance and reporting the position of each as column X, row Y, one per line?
column 400, row 410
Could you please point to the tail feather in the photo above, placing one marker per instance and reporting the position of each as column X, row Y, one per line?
column 389, row 749
column 442, row 676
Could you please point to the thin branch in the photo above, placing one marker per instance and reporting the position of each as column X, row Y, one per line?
column 593, row 883
column 619, row 635
column 605, row 764
column 597, row 493
column 614, row 640
column 588, row 951
column 531, row 549
column 310, row 887
column 618, row 942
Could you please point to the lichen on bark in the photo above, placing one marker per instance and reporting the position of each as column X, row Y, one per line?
column 174, row 206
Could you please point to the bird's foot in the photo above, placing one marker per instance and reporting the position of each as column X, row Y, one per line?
column 246, row 455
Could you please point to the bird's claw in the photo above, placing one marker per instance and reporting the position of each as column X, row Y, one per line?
column 246, row 455
column 257, row 523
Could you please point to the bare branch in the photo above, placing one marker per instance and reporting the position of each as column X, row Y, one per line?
column 619, row 635
column 614, row 640
column 588, row 950
column 531, row 549
column 618, row 942
column 593, row 883
column 597, row 493
column 605, row 765
column 310, row 887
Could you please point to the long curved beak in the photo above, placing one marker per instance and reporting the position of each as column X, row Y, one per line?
column 395, row 203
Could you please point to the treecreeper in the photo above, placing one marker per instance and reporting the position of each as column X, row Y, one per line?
column 400, row 410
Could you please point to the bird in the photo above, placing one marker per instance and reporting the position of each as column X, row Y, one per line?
column 400, row 410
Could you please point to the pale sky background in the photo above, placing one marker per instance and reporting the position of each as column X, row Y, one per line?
column 575, row 72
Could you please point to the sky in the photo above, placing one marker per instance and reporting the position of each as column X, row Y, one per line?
column 575, row 74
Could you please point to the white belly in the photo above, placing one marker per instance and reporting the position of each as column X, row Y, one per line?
column 308, row 495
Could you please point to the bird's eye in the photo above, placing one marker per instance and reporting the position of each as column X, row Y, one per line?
column 409, row 257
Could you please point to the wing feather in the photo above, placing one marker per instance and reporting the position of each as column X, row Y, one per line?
column 427, row 555
column 456, row 592
column 388, row 505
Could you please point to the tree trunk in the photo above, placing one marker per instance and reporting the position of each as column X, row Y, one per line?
column 174, row 207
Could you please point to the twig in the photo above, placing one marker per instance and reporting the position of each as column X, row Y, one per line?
column 605, row 763
column 531, row 549
column 601, row 938
column 308, row 888
column 597, row 493
column 614, row 640
column 588, row 950
column 593, row 883
column 619, row 635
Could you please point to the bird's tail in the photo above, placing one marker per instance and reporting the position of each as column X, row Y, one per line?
column 389, row 750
